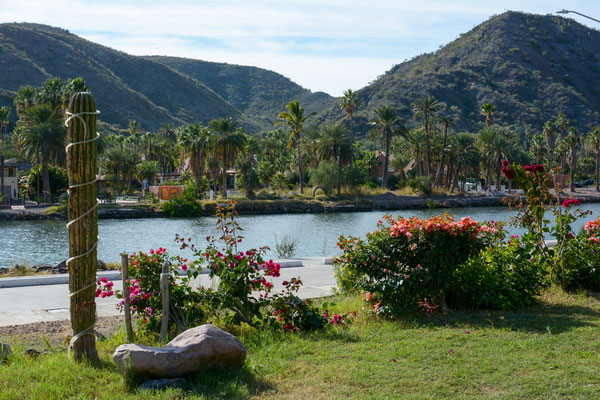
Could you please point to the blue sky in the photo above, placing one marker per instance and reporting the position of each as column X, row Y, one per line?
column 323, row 45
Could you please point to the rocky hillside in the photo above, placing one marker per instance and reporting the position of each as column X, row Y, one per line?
column 151, row 90
column 254, row 91
column 531, row 67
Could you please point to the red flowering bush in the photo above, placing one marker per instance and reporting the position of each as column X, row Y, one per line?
column 409, row 260
column 244, row 289
column 145, row 270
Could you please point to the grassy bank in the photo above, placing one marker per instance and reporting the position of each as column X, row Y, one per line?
column 549, row 351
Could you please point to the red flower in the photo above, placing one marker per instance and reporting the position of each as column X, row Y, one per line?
column 505, row 164
column 508, row 173
column 538, row 168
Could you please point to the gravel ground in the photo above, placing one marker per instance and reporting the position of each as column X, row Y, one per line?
column 56, row 332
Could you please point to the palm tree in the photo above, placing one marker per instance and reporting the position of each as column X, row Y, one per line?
column 349, row 104
column 446, row 122
column 51, row 91
column 573, row 141
column 387, row 124
column 194, row 140
column 464, row 154
column 294, row 118
column 246, row 161
column 426, row 109
column 488, row 110
column 562, row 123
column 4, row 120
column 121, row 161
column 495, row 145
column 594, row 138
column 73, row 86
column 335, row 142
column 24, row 99
column 41, row 136
column 230, row 139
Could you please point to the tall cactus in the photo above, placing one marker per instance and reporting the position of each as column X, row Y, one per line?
column 83, row 223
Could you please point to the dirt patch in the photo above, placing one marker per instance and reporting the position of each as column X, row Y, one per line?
column 55, row 332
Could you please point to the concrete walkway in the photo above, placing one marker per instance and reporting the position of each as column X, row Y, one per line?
column 21, row 305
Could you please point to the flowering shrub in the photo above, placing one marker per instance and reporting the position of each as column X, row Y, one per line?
column 409, row 260
column 566, row 256
column 244, row 291
column 144, row 291
column 293, row 313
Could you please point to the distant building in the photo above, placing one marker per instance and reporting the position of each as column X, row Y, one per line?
column 11, row 187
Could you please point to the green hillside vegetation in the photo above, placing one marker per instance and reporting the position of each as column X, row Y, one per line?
column 126, row 87
column 254, row 91
column 531, row 67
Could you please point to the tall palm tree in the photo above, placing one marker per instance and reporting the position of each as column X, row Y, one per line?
column 495, row 145
column 562, row 123
column 4, row 120
column 41, row 136
column 386, row 124
column 349, row 104
column 573, row 141
column 229, row 140
column 335, row 142
column 446, row 121
column 426, row 109
column 488, row 110
column 464, row 154
column 51, row 91
column 194, row 140
column 24, row 99
column 294, row 118
column 594, row 139
column 73, row 86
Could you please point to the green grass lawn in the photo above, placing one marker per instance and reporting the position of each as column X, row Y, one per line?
column 551, row 351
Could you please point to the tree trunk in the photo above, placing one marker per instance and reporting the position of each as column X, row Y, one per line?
column 455, row 180
column 428, row 150
column 597, row 168
column 224, row 189
column 2, row 127
column 562, row 170
column 438, row 178
column 45, row 180
column 499, row 176
column 83, row 228
column 572, row 165
column 339, row 180
column 299, row 164
column 386, row 163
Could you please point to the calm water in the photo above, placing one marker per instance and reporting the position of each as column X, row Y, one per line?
column 33, row 242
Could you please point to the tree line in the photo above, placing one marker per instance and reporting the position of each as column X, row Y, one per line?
column 297, row 151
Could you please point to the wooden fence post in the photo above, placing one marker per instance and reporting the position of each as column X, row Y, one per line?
column 164, row 291
column 126, row 308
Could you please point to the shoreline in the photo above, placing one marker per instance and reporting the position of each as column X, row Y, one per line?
column 384, row 202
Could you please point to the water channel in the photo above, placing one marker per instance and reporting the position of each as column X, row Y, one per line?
column 33, row 242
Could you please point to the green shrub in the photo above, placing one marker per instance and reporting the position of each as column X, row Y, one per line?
column 507, row 276
column 181, row 207
column 421, row 185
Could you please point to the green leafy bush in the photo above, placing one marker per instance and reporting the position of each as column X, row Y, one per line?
column 182, row 207
column 505, row 276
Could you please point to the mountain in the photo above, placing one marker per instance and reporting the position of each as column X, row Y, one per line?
column 531, row 67
column 254, row 91
column 151, row 90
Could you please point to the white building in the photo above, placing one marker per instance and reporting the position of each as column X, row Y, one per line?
column 10, row 179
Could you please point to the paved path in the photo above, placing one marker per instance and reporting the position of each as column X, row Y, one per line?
column 29, row 304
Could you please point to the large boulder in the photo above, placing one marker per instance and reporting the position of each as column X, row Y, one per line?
column 199, row 348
